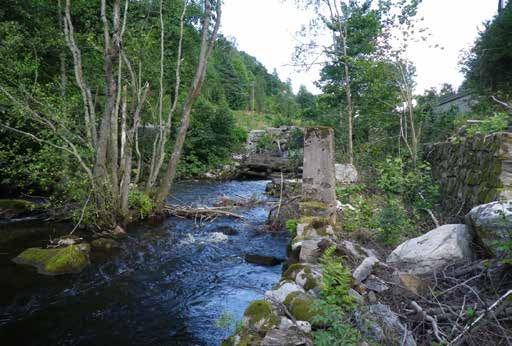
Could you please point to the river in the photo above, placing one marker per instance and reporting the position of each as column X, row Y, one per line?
column 168, row 285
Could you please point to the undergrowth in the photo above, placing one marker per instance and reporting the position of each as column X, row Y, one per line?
column 334, row 303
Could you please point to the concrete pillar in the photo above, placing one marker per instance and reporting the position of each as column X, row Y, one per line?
column 319, row 174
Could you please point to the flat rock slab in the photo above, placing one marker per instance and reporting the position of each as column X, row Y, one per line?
column 278, row 337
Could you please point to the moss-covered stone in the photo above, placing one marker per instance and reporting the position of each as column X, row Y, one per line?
column 291, row 272
column 105, row 244
column 17, row 204
column 71, row 259
column 306, row 276
column 300, row 306
column 260, row 316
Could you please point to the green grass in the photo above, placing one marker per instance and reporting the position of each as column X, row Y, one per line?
column 253, row 121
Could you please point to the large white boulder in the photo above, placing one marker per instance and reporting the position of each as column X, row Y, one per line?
column 346, row 173
column 492, row 225
column 434, row 250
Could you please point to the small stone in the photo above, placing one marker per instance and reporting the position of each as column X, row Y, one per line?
column 410, row 282
column 358, row 299
column 372, row 298
column 305, row 326
column 376, row 285
column 364, row 269
column 285, row 323
column 310, row 252
column 119, row 232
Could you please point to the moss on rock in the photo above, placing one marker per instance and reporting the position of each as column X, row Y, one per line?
column 71, row 259
column 260, row 316
column 17, row 204
column 300, row 306
column 291, row 272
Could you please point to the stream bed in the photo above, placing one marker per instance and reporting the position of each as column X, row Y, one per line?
column 168, row 285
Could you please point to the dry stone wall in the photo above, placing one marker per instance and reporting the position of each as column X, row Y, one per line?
column 472, row 171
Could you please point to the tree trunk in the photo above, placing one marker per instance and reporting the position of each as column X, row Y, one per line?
column 205, row 52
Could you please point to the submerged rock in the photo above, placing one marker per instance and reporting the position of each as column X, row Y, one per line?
column 263, row 260
column 13, row 208
column 433, row 250
column 226, row 230
column 492, row 225
column 105, row 244
column 71, row 259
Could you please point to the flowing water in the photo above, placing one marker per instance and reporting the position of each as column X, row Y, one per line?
column 168, row 285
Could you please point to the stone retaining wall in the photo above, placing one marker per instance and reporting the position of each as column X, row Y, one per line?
column 472, row 171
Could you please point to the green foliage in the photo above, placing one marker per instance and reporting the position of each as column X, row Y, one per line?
column 415, row 186
column 338, row 332
column 333, row 303
column 393, row 222
column 140, row 202
column 498, row 122
column 487, row 67
column 291, row 226
column 266, row 144
column 336, row 280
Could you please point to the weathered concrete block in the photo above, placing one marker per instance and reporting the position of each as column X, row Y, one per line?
column 319, row 175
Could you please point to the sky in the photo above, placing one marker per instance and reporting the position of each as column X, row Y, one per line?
column 267, row 30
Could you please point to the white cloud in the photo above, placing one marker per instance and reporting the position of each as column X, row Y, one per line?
column 266, row 29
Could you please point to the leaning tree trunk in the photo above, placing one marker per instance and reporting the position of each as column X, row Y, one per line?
column 205, row 52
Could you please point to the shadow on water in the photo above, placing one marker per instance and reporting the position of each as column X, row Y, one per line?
column 168, row 285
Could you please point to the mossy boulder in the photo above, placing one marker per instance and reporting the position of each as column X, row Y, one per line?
column 300, row 306
column 260, row 316
column 12, row 208
column 71, row 259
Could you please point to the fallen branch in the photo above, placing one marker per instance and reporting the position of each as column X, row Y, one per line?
column 432, row 216
column 504, row 104
column 429, row 318
column 499, row 305
column 189, row 212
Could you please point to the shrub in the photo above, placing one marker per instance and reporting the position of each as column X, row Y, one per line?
column 334, row 301
column 498, row 122
column 393, row 222
column 142, row 203
column 291, row 226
